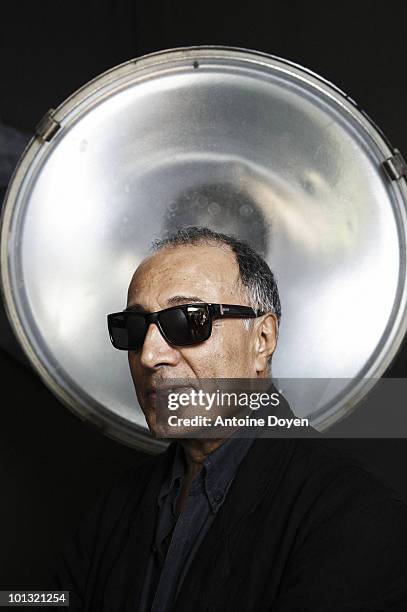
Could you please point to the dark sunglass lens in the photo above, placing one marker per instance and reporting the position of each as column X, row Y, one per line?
column 175, row 326
column 137, row 329
column 186, row 325
column 118, row 331
column 200, row 324
column 127, row 330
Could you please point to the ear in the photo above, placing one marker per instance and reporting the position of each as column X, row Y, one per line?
column 266, row 340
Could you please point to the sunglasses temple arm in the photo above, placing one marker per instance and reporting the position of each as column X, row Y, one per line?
column 230, row 310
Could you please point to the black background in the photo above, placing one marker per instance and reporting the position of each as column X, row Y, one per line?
column 53, row 466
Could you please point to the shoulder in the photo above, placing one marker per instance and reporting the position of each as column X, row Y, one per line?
column 118, row 501
column 329, row 460
column 117, row 504
column 326, row 466
column 338, row 489
column 110, row 515
column 131, row 484
column 349, row 528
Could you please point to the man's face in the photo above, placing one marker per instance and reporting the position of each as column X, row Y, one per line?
column 183, row 275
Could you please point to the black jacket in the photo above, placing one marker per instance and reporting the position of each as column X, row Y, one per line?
column 302, row 529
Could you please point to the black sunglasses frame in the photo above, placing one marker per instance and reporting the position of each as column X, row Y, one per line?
column 214, row 311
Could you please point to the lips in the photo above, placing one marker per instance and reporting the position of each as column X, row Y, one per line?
column 166, row 387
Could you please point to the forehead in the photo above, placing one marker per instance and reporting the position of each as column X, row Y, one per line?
column 209, row 272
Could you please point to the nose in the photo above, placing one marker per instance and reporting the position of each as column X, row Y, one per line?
column 156, row 351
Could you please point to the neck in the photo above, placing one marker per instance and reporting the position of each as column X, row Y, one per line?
column 196, row 451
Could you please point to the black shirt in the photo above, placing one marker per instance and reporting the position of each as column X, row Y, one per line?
column 178, row 537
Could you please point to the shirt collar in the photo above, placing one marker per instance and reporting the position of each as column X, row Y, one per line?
column 218, row 470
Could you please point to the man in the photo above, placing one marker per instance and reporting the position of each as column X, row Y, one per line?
column 233, row 524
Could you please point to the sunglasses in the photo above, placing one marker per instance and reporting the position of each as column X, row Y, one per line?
column 183, row 325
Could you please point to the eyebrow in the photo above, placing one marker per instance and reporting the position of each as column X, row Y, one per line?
column 183, row 299
column 172, row 301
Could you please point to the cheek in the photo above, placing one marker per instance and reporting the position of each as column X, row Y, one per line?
column 137, row 375
column 131, row 358
column 238, row 350
column 226, row 354
column 134, row 365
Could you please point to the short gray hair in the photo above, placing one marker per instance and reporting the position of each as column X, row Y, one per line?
column 255, row 275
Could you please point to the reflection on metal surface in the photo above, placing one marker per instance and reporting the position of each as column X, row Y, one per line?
column 247, row 144
column 222, row 207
